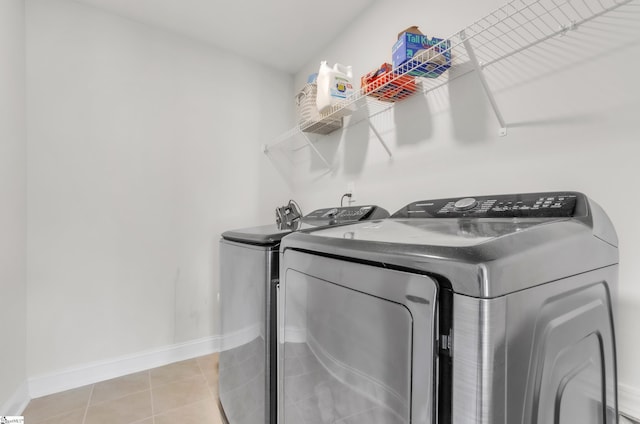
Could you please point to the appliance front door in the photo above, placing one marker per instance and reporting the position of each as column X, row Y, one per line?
column 356, row 343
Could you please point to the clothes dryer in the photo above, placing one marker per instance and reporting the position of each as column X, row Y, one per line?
column 249, row 265
column 488, row 309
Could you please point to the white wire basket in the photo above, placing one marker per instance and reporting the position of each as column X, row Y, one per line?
column 309, row 119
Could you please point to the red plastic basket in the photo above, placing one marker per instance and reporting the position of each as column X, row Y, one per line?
column 386, row 86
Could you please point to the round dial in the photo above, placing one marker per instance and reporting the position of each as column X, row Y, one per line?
column 465, row 204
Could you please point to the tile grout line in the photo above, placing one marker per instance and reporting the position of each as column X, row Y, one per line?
column 177, row 408
column 120, row 396
column 179, row 379
column 140, row 421
column 50, row 417
column 153, row 413
column 86, row 409
column 205, row 380
column 213, row 396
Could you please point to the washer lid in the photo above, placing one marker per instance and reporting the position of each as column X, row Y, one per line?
column 436, row 232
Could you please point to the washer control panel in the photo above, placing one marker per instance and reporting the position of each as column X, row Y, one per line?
column 538, row 205
column 465, row 204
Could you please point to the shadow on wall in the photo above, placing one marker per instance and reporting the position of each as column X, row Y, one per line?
column 356, row 139
column 580, row 119
column 469, row 108
column 412, row 124
column 282, row 163
column 413, row 121
column 327, row 146
column 195, row 305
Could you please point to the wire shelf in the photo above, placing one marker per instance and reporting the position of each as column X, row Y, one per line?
column 506, row 31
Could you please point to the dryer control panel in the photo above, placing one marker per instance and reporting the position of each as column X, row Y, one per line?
column 529, row 205
column 345, row 214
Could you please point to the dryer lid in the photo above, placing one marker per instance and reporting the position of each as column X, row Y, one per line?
column 320, row 218
column 261, row 235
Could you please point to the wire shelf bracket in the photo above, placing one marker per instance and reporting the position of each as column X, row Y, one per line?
column 478, row 68
column 315, row 150
column 298, row 131
column 380, row 139
column 291, row 134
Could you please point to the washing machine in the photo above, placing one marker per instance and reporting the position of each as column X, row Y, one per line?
column 248, row 281
column 487, row 309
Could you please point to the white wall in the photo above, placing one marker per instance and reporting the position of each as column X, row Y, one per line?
column 13, row 286
column 143, row 147
column 572, row 110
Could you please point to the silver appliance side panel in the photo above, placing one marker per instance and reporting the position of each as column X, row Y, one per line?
column 479, row 360
column 538, row 356
column 243, row 385
column 356, row 343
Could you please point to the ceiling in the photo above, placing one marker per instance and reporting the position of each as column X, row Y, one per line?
column 284, row 34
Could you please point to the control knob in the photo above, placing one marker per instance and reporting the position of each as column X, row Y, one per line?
column 465, row 204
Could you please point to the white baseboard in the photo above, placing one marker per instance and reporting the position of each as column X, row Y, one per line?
column 629, row 401
column 99, row 371
column 17, row 402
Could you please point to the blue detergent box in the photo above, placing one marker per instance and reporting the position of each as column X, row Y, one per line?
column 409, row 44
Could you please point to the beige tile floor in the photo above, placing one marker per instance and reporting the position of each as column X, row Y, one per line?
column 183, row 392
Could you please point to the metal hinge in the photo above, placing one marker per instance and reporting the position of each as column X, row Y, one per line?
column 446, row 342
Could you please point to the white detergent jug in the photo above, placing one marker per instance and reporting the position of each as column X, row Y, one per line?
column 334, row 86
